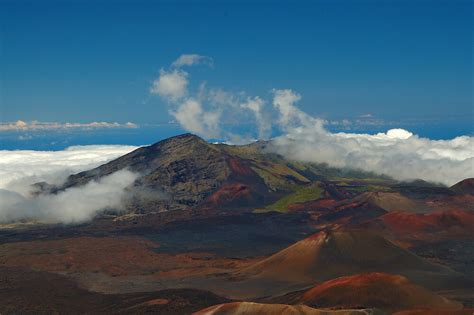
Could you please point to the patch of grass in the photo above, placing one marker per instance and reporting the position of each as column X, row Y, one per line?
column 273, row 180
column 278, row 176
column 302, row 194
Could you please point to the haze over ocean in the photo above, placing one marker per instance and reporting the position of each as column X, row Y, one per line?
column 59, row 140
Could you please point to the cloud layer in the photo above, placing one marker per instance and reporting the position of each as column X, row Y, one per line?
column 74, row 205
column 20, row 169
column 398, row 153
column 21, row 125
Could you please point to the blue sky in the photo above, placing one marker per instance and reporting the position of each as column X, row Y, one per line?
column 80, row 61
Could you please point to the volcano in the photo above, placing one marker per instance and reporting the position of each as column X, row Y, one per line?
column 429, row 227
column 465, row 186
column 328, row 255
column 378, row 290
column 236, row 308
column 186, row 171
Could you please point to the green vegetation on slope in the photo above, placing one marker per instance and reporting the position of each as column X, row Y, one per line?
column 278, row 176
column 302, row 194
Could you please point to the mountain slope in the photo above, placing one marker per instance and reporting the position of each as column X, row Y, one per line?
column 182, row 172
column 380, row 290
column 240, row 308
column 186, row 171
column 328, row 255
column 464, row 187
column 428, row 227
column 174, row 173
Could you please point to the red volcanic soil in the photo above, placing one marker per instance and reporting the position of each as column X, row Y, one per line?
column 405, row 226
column 235, row 194
column 25, row 291
column 314, row 205
column 375, row 290
column 411, row 222
column 114, row 256
column 239, row 308
column 328, row 255
column 348, row 212
column 387, row 201
column 457, row 202
column 362, row 208
column 336, row 208
column 237, row 166
column 464, row 187
column 390, row 201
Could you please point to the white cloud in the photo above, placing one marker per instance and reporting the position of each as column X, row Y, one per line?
column 171, row 85
column 397, row 153
column 21, row 168
column 21, row 125
column 256, row 105
column 191, row 60
column 200, row 113
column 284, row 101
column 74, row 205
column 194, row 118
column 220, row 97
column 398, row 133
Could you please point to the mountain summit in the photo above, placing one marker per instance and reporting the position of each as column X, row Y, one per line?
column 186, row 171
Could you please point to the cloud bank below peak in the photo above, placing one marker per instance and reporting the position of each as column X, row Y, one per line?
column 19, row 169
column 74, row 205
column 209, row 112
column 391, row 153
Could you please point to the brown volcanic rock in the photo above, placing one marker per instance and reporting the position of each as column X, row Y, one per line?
column 184, row 171
column 112, row 256
column 379, row 290
column 362, row 208
column 33, row 292
column 175, row 173
column 327, row 255
column 428, row 227
column 390, row 201
column 464, row 187
column 235, row 195
column 370, row 209
column 353, row 211
column 180, row 172
column 249, row 308
column 385, row 201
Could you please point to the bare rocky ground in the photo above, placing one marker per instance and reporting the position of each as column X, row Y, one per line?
column 242, row 224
